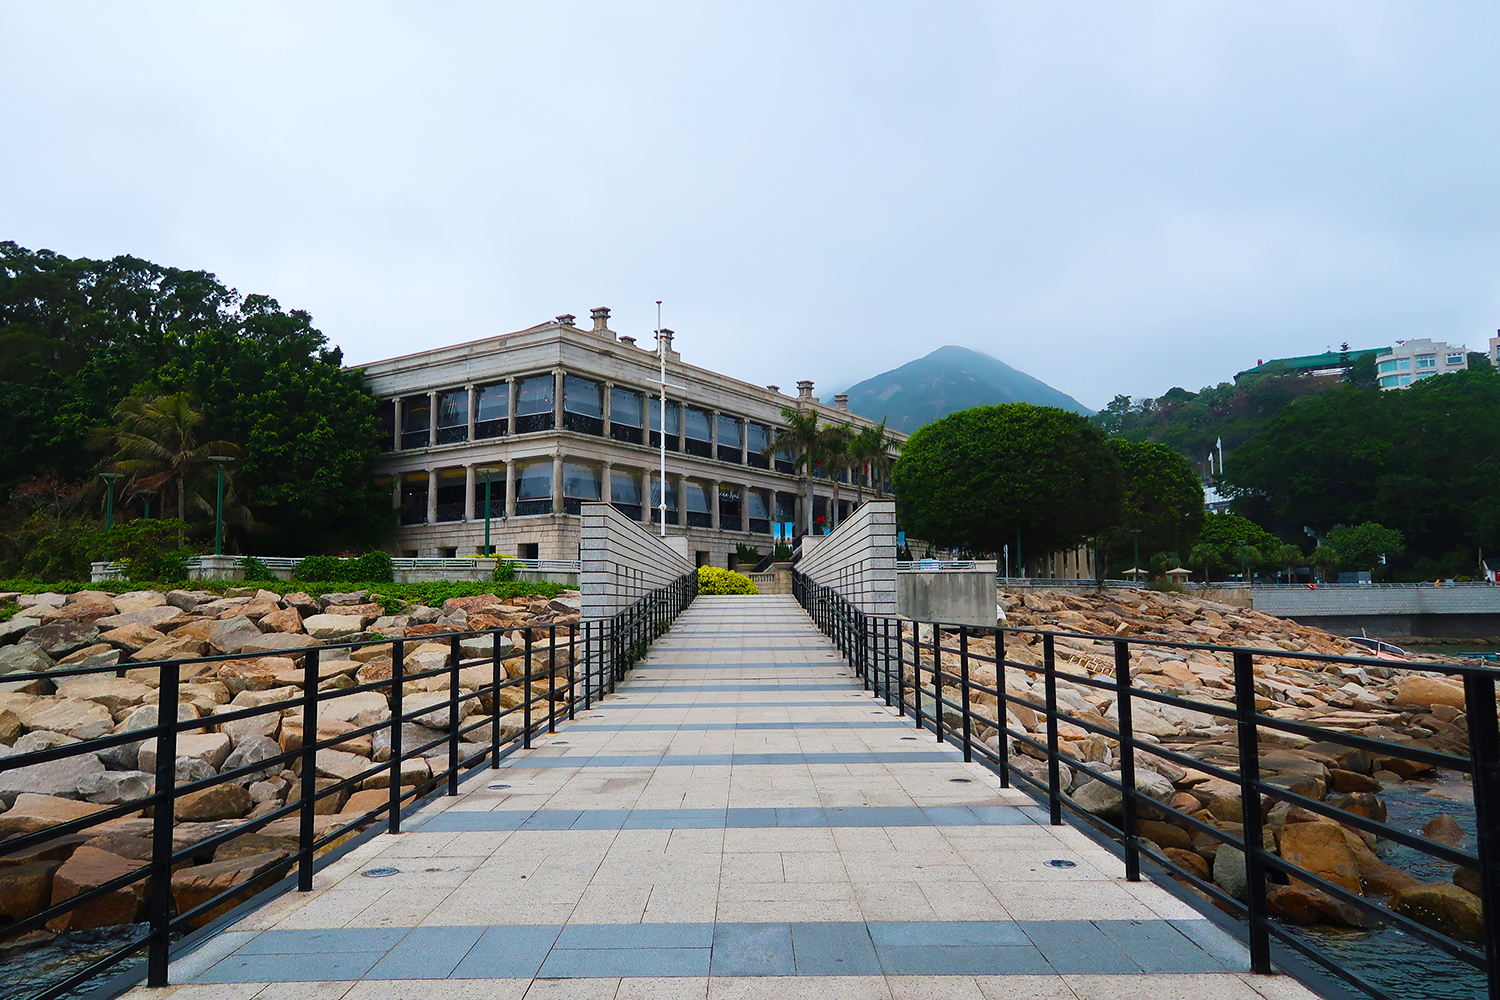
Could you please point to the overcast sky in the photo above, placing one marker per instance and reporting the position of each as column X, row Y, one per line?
column 1113, row 197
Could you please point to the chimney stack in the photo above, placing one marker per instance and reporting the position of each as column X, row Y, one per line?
column 804, row 389
column 566, row 319
column 628, row 341
column 601, row 321
column 841, row 401
column 665, row 336
column 774, row 388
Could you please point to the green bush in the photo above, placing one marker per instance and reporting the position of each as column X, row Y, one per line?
column 255, row 569
column 372, row 567
column 148, row 549
column 712, row 580
column 505, row 570
column 746, row 555
column 318, row 568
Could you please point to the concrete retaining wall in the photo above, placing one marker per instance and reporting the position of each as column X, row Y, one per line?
column 621, row 562
column 859, row 558
column 960, row 596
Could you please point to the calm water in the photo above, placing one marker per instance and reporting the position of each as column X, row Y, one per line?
column 26, row 973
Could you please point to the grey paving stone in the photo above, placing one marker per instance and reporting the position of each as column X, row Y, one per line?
column 1157, row 946
column 1077, row 946
column 961, row 960
column 427, row 953
column 323, row 941
column 834, row 949
column 507, row 952
column 753, row 950
column 610, row 963
column 290, row 968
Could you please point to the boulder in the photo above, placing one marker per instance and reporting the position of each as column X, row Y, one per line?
column 566, row 604
column 114, row 787
column 1425, row 691
column 414, row 771
column 351, row 706
column 230, row 635
column 114, row 693
column 1321, row 849
column 132, row 638
column 1302, row 904
column 10, row 726
column 1444, row 829
column 267, row 725
column 41, row 739
column 332, row 627
column 98, row 654
column 1093, row 796
column 149, row 617
column 1229, row 872
column 222, row 801
column 223, row 607
column 1365, row 804
column 1466, row 879
column 282, row 620
column 1352, row 781
column 277, row 642
column 253, row 750
column 26, row 890
column 88, row 869
column 12, row 630
column 40, row 602
column 31, row 812
column 260, row 673
column 73, row 716
column 353, row 597
column 438, row 717
column 139, row 600
column 1192, row 861
column 197, row 885
column 303, row 604
column 336, row 764
column 24, row 657
column 1164, row 834
column 135, row 846
column 1441, row 906
column 170, row 648
column 211, row 748
column 189, row 600
column 86, row 607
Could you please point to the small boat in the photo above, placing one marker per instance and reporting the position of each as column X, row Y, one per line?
column 1383, row 650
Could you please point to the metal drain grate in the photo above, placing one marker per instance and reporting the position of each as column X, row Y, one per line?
column 961, row 781
column 380, row 872
column 499, row 786
column 1060, row 863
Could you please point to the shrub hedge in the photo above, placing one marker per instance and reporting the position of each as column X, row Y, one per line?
column 712, row 580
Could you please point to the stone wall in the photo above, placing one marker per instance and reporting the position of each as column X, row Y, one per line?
column 621, row 562
column 859, row 558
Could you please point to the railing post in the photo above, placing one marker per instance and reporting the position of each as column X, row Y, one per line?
column 551, row 678
column 901, row 666
column 309, row 759
column 496, row 675
column 398, row 681
column 1484, row 751
column 1255, row 869
column 916, row 672
column 161, row 825
column 937, row 682
column 526, row 696
column 1126, row 729
column 963, row 681
column 1054, row 768
column 1002, row 710
column 573, row 672
column 885, row 657
column 455, row 657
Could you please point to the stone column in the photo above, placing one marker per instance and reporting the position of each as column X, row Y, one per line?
column 713, row 501
column 745, row 507
column 557, row 481
column 396, row 493
column 432, row 415
column 510, row 404
column 646, row 507
column 604, row 391
column 681, row 481
column 469, row 477
column 713, row 443
column 397, row 443
column 469, row 395
column 432, row 481
column 510, row 487
column 606, row 484
column 557, row 398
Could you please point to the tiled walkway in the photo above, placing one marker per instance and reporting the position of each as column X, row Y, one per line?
column 740, row 821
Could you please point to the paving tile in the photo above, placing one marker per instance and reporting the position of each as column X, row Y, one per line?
column 833, row 949
column 752, row 949
column 289, row 967
column 427, row 953
column 505, row 952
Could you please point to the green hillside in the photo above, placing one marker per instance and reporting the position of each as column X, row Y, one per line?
column 947, row 380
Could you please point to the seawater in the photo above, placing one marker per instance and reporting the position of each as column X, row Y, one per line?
column 26, row 973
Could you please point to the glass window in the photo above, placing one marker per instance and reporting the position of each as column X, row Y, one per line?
column 729, row 431
column 674, row 417
column 697, row 497
column 757, row 438
column 1455, row 359
column 492, row 402
column 387, row 425
column 453, row 416
column 1426, row 361
column 582, row 482
column 1405, row 379
column 582, row 396
column 696, row 425
column 1387, row 366
column 625, row 407
column 756, row 507
column 656, row 493
column 624, row 488
column 416, row 414
column 1404, row 364
column 534, row 481
column 534, row 395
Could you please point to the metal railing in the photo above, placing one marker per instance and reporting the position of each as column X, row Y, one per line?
column 553, row 669
column 927, row 670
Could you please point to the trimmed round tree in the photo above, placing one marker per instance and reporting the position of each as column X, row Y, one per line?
column 974, row 478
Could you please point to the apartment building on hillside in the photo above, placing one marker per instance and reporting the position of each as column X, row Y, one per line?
column 556, row 415
column 1413, row 360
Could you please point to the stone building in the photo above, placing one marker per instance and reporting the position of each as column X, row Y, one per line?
column 556, row 415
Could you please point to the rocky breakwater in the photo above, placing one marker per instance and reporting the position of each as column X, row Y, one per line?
column 1396, row 705
column 71, row 673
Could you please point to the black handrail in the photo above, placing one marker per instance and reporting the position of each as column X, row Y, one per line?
column 599, row 652
column 923, row 669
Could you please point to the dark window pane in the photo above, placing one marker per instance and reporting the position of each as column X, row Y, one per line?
column 582, row 396
column 581, row 424
column 757, row 439
column 697, row 497
column 527, row 508
column 489, row 429
column 626, row 407
column 624, row 488
column 674, row 417
column 696, row 425
column 492, row 402
column 582, row 482
column 534, row 395
column 529, row 422
column 534, row 481
column 453, row 408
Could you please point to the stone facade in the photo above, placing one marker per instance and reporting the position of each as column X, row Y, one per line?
column 555, row 416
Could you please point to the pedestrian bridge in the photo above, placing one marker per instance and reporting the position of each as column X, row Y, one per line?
column 739, row 818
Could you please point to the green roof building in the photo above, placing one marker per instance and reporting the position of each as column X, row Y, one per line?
column 1315, row 365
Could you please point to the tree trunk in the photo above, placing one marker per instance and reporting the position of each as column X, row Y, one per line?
column 809, row 504
column 833, row 508
column 181, row 507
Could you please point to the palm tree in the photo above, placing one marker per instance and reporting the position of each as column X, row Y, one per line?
column 802, row 436
column 1204, row 555
column 1289, row 556
column 1324, row 557
column 156, row 438
column 872, row 447
column 837, row 441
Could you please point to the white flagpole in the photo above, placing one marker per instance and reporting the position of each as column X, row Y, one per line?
column 661, row 353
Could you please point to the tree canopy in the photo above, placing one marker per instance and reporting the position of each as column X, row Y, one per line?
column 976, row 477
column 1162, row 496
column 77, row 337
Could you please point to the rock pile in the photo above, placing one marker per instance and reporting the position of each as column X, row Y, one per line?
column 43, row 706
column 1393, row 704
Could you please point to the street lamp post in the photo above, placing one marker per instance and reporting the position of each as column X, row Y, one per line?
column 146, row 496
column 220, row 461
column 110, row 478
column 488, row 475
column 1137, row 567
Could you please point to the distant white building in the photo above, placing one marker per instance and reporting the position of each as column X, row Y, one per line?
column 1413, row 360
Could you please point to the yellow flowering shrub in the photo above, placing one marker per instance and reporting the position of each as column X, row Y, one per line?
column 712, row 580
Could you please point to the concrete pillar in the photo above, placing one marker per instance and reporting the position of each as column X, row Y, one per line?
column 510, row 483
column 713, row 438
column 681, row 482
column 646, row 507
column 557, row 398
column 432, row 481
column 744, row 442
column 396, row 445
column 713, row 499
column 604, row 391
column 432, row 418
column 557, row 481
column 607, row 485
column 469, row 417
column 510, row 404
column 396, row 494
column 745, row 507
column 469, row 478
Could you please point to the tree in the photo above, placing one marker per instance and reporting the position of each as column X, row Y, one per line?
column 872, row 447
column 1162, row 495
column 803, row 437
column 1364, row 545
column 835, row 442
column 1227, row 533
column 1289, row 556
column 1324, row 558
column 976, row 477
column 1206, row 555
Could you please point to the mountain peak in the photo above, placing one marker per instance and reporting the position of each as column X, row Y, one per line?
column 951, row 378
